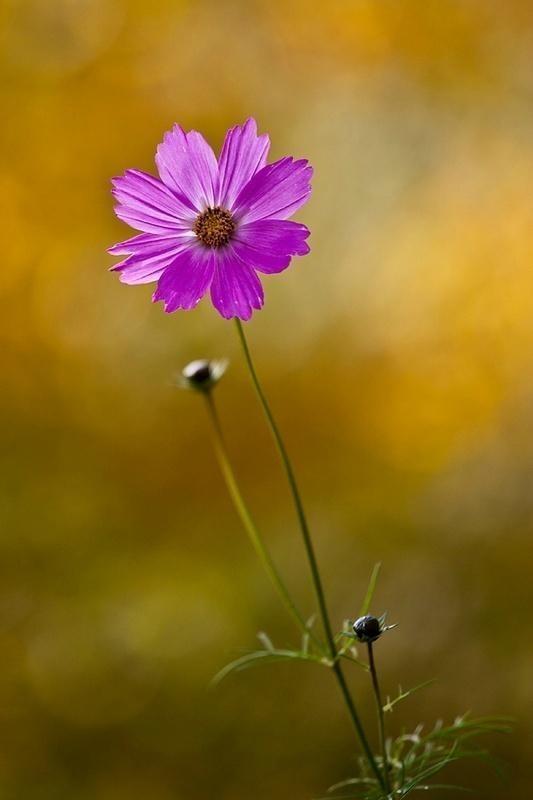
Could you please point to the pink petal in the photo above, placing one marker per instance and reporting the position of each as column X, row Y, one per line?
column 188, row 166
column 147, row 243
column 145, row 268
column 187, row 279
column 129, row 245
column 275, row 191
column 243, row 154
column 269, row 244
column 141, row 273
column 236, row 290
column 145, row 203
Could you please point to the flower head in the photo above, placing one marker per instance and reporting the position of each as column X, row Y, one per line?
column 211, row 225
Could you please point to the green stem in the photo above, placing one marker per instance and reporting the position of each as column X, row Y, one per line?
column 247, row 519
column 381, row 716
column 309, row 548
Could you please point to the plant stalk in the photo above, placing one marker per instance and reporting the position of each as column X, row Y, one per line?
column 381, row 716
column 311, row 557
column 248, row 521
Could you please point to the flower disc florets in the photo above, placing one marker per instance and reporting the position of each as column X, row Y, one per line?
column 214, row 227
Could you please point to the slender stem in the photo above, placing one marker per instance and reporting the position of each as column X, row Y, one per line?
column 381, row 716
column 354, row 716
column 317, row 582
column 310, row 551
column 247, row 519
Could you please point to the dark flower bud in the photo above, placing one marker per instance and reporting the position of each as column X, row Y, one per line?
column 367, row 628
column 202, row 374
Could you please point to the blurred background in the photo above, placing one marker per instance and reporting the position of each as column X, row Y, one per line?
column 398, row 357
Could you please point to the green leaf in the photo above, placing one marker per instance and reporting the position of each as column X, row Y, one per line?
column 265, row 640
column 350, row 782
column 417, row 757
column 389, row 705
column 306, row 637
column 446, row 787
column 347, row 655
column 371, row 590
column 258, row 657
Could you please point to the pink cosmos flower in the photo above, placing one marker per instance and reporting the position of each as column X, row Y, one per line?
column 211, row 225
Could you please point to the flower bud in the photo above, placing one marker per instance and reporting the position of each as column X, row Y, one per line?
column 367, row 628
column 202, row 374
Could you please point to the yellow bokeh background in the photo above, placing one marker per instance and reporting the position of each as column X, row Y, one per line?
column 398, row 357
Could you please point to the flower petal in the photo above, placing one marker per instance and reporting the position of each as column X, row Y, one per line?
column 148, row 243
column 188, row 166
column 187, row 279
column 145, row 203
column 148, row 266
column 243, row 154
column 269, row 244
column 275, row 191
column 140, row 273
column 236, row 290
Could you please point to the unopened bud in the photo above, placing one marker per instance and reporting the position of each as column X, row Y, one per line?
column 367, row 628
column 202, row 374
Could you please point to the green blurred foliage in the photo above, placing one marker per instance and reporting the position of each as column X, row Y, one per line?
column 397, row 356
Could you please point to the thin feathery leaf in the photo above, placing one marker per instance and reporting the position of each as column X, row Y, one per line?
column 265, row 640
column 445, row 787
column 389, row 705
column 415, row 758
column 371, row 590
column 346, row 655
column 350, row 782
column 259, row 657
